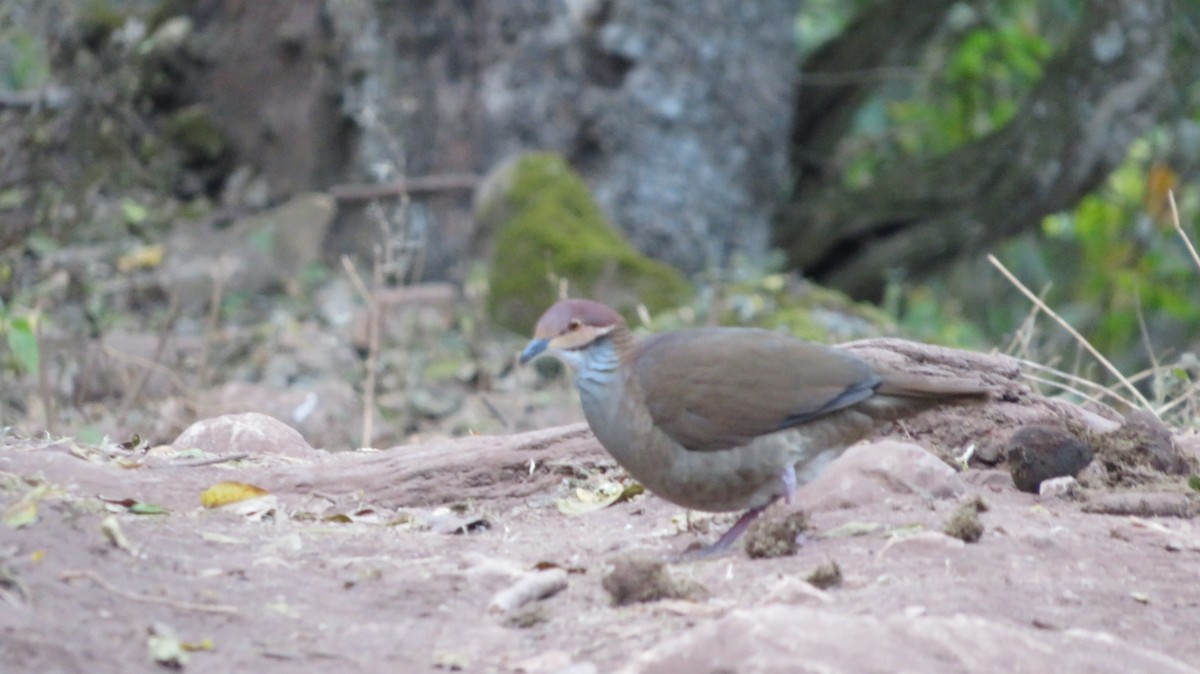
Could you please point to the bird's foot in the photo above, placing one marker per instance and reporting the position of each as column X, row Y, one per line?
column 727, row 539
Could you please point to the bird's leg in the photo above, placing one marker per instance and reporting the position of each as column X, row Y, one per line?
column 739, row 527
column 789, row 483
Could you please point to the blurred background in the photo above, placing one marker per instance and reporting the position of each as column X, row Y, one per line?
column 347, row 213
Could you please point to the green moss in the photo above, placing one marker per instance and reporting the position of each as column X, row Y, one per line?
column 800, row 308
column 547, row 227
column 193, row 132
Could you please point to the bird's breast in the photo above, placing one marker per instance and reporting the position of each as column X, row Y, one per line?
column 718, row 481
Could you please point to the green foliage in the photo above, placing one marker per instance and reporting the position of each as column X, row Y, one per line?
column 1130, row 258
column 20, row 335
column 24, row 64
column 547, row 230
column 969, row 84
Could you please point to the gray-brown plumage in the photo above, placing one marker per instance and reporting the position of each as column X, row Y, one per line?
column 725, row 419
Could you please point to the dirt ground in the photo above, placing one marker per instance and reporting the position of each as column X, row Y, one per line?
column 399, row 561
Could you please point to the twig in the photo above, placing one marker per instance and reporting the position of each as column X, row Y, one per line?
column 148, row 599
column 43, row 375
column 210, row 322
column 192, row 463
column 495, row 412
column 400, row 188
column 164, row 337
column 1190, row 394
column 1073, row 379
column 1179, row 228
column 372, row 303
column 1073, row 332
column 1065, row 387
column 147, row 363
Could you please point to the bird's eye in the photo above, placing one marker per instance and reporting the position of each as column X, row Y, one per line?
column 574, row 325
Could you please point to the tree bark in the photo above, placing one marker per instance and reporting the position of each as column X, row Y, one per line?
column 1095, row 98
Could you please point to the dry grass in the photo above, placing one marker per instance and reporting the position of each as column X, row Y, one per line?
column 1173, row 402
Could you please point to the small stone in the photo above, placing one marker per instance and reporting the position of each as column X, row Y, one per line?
column 1041, row 452
column 250, row 433
column 1059, row 487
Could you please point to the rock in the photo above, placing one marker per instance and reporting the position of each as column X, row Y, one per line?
column 1094, row 475
column 1059, row 487
column 1040, row 452
column 877, row 471
column 777, row 639
column 434, row 405
column 251, row 433
column 256, row 253
column 992, row 480
column 327, row 413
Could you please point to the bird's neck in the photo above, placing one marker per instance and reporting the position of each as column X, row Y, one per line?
column 597, row 370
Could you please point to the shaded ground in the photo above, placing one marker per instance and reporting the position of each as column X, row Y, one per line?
column 339, row 577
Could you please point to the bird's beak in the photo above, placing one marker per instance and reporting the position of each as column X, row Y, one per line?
column 535, row 348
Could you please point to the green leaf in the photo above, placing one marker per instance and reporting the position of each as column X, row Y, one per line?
column 22, row 341
column 133, row 212
column 140, row 508
column 1194, row 482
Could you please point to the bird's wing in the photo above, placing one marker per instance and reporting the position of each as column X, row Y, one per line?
column 712, row 389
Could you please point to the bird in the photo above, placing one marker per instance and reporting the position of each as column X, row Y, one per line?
column 726, row 419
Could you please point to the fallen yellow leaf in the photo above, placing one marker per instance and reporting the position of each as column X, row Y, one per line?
column 143, row 257
column 224, row 493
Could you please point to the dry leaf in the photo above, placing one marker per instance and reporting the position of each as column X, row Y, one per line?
column 165, row 648
column 22, row 513
column 112, row 531
column 142, row 257
column 224, row 493
column 590, row 500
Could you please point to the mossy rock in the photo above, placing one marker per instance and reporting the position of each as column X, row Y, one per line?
column 545, row 228
column 791, row 304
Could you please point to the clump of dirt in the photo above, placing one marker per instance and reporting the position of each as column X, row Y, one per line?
column 1041, row 452
column 1140, row 451
column 635, row 579
column 965, row 523
column 825, row 576
column 776, row 536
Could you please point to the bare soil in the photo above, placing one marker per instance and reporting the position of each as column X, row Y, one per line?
column 392, row 562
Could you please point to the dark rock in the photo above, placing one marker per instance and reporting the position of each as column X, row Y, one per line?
column 1040, row 452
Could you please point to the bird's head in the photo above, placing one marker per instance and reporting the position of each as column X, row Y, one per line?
column 568, row 328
